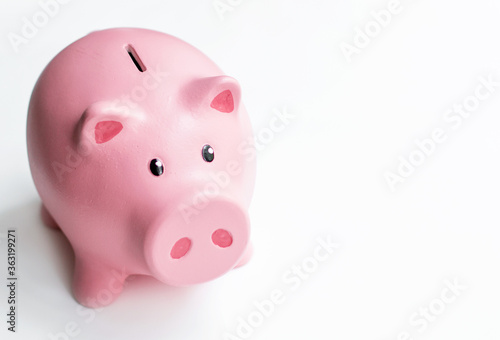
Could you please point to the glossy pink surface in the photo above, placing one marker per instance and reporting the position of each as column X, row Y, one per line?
column 117, row 128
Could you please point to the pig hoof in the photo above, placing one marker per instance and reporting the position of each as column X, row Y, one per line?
column 96, row 285
column 47, row 218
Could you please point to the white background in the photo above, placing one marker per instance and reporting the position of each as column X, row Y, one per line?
column 323, row 176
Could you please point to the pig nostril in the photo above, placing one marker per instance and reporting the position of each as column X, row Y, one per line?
column 180, row 248
column 222, row 238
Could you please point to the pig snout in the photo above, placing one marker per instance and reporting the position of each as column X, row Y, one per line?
column 182, row 251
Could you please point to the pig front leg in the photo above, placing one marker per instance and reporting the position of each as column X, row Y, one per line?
column 246, row 256
column 96, row 285
column 47, row 218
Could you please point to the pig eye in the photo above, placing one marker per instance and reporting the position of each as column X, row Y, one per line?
column 156, row 167
column 207, row 153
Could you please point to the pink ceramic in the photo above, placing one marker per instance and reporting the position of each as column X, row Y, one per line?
column 138, row 146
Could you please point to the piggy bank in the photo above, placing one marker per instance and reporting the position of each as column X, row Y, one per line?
column 139, row 147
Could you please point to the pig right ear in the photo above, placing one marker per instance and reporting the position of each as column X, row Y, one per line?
column 100, row 123
column 221, row 94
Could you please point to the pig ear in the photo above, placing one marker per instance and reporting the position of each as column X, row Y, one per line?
column 100, row 123
column 220, row 93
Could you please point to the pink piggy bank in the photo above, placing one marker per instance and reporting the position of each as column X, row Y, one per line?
column 139, row 148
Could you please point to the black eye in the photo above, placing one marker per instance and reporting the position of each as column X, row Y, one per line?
column 156, row 167
column 207, row 153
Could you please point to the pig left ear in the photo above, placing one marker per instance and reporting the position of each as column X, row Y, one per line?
column 220, row 93
column 100, row 123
